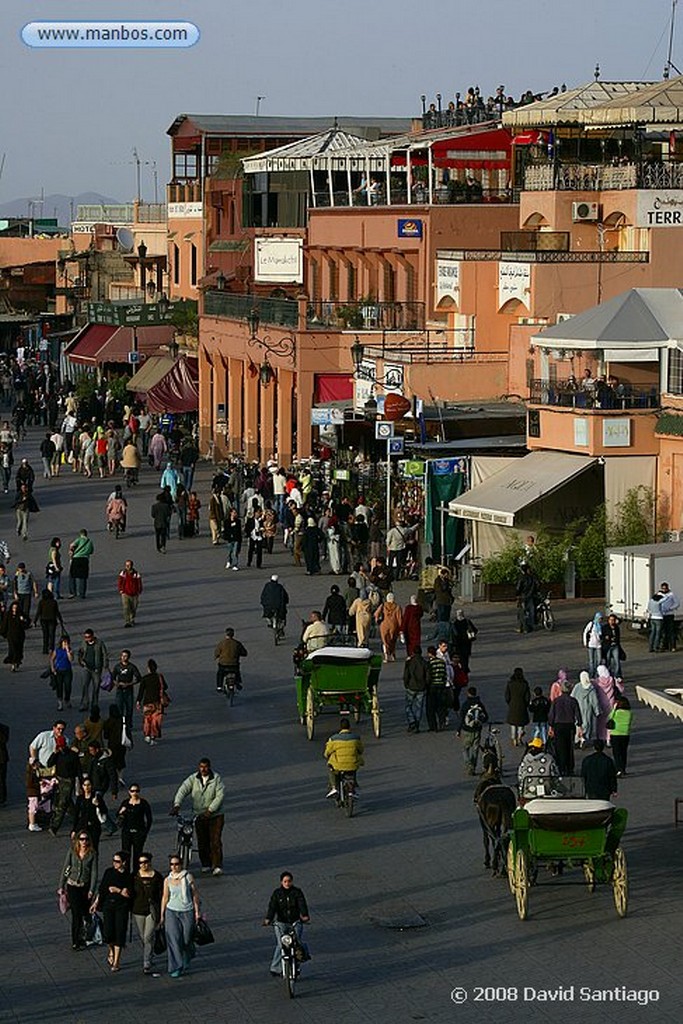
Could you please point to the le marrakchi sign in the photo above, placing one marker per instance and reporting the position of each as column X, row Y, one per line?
column 279, row 260
column 659, row 208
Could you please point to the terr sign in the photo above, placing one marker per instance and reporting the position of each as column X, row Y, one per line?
column 659, row 208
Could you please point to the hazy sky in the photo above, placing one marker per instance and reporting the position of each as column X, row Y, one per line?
column 70, row 118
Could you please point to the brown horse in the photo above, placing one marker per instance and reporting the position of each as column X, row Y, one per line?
column 495, row 805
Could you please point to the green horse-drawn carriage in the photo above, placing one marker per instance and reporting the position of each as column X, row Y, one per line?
column 559, row 831
column 345, row 678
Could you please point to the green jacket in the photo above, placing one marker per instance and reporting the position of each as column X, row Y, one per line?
column 622, row 719
column 82, row 547
column 205, row 797
column 344, row 752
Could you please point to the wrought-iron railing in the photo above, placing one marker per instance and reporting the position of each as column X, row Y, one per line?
column 453, row 194
column 283, row 312
column 596, row 177
column 326, row 314
column 600, row 397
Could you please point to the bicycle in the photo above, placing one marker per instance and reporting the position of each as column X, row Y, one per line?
column 544, row 614
column 230, row 680
column 348, row 792
column 277, row 625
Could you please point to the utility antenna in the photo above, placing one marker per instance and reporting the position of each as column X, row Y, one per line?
column 258, row 104
column 669, row 64
column 136, row 161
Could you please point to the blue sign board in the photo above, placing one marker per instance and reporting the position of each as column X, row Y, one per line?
column 409, row 227
column 396, row 446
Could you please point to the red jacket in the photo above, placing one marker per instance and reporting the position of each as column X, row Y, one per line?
column 130, row 583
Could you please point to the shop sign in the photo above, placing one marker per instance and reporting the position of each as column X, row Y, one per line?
column 327, row 416
column 616, row 433
column 342, row 474
column 659, row 208
column 279, row 260
column 408, row 227
column 447, row 281
column 414, row 467
column 445, row 467
column 184, row 210
column 514, row 282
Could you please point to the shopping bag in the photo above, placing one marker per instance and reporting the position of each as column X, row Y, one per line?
column 62, row 901
column 93, row 931
column 106, row 682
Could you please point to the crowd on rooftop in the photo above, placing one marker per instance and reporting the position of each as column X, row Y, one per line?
column 472, row 108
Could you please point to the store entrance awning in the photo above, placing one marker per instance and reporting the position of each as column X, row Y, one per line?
column 527, row 480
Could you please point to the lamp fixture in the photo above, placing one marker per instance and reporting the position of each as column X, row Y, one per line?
column 361, row 372
column 266, row 373
column 284, row 346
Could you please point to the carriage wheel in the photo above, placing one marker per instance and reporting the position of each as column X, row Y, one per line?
column 589, row 874
column 310, row 714
column 376, row 714
column 511, row 868
column 522, row 885
column 620, row 882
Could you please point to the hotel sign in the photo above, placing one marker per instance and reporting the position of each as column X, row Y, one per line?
column 279, row 260
column 659, row 208
column 447, row 280
column 184, row 210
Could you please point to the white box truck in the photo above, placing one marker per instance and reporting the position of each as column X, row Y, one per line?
column 633, row 575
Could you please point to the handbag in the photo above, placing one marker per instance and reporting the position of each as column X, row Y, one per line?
column 160, row 943
column 610, row 723
column 202, row 934
column 471, row 634
column 126, row 741
column 106, row 681
column 63, row 901
column 164, row 698
column 93, row 931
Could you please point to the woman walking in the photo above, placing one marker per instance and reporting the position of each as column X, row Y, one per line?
column 135, row 820
column 153, row 699
column 310, row 546
column 90, row 813
column 179, row 912
column 411, row 626
column 592, row 640
column 620, row 732
column 54, row 567
column 48, row 615
column 361, row 608
column 585, row 696
column 148, row 887
column 79, row 879
column 61, row 662
column 114, row 900
column 517, row 697
column 390, row 615
column 13, row 626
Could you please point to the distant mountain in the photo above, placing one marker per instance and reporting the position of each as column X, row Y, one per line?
column 55, row 205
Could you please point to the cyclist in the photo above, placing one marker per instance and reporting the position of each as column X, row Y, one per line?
column 343, row 753
column 227, row 654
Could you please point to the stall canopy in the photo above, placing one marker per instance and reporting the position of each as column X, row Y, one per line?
column 574, row 106
column 637, row 318
column 150, row 373
column 84, row 347
column 178, row 391
column 527, row 480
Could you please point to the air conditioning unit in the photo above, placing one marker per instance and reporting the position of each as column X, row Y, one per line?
column 585, row 211
column 561, row 317
column 672, row 536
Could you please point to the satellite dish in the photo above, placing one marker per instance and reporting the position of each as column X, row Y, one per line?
column 126, row 239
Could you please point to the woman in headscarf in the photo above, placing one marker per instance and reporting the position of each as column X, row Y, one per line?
column 517, row 697
column 411, row 627
column 389, row 615
column 587, row 699
column 170, row 478
column 361, row 608
column 608, row 692
column 557, row 687
column 464, row 631
column 592, row 640
column 13, row 626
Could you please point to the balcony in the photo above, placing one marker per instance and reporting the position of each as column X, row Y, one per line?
column 279, row 312
column 595, row 177
column 454, row 194
column 325, row 315
column 601, row 398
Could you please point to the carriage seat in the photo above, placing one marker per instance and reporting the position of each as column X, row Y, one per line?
column 339, row 655
column 569, row 815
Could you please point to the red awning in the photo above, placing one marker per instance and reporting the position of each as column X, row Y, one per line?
column 178, row 391
column 332, row 387
column 121, row 343
column 88, row 342
column 489, row 149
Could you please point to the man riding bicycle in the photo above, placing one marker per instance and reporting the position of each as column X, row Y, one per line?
column 343, row 753
column 274, row 601
column 227, row 654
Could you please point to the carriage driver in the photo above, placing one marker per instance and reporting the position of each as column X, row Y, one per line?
column 536, row 769
column 343, row 753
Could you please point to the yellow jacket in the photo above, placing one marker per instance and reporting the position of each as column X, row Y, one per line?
column 344, row 752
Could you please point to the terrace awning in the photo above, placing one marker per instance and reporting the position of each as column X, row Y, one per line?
column 178, row 391
column 520, row 484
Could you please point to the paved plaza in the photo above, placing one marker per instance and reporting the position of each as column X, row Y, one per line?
column 413, row 852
